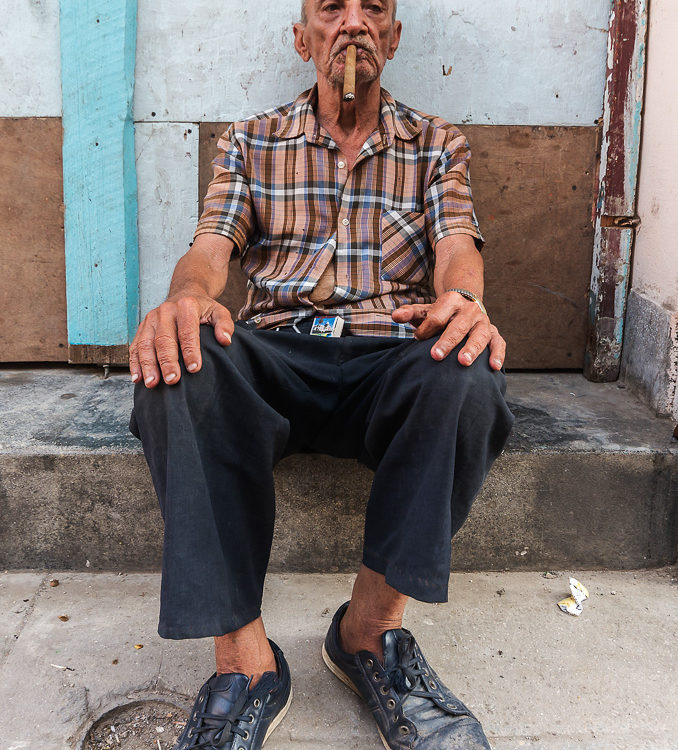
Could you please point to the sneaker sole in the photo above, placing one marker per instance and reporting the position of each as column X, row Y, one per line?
column 340, row 674
column 278, row 718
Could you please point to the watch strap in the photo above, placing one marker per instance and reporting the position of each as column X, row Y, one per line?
column 469, row 296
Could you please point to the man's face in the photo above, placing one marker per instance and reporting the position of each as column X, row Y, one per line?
column 334, row 24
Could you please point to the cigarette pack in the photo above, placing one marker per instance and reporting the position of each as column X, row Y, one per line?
column 330, row 327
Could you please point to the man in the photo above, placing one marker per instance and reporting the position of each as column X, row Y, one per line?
column 355, row 210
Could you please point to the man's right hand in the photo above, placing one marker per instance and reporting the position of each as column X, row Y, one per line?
column 174, row 324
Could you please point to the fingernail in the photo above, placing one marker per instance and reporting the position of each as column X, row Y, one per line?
column 466, row 357
column 149, row 379
column 192, row 367
column 438, row 353
column 497, row 362
column 135, row 377
column 228, row 336
column 170, row 377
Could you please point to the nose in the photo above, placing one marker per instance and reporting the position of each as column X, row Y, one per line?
column 354, row 22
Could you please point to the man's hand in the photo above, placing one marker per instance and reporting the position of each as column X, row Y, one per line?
column 174, row 324
column 455, row 317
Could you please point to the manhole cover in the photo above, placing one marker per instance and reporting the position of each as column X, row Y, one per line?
column 144, row 725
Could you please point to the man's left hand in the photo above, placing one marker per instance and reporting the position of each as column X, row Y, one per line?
column 454, row 317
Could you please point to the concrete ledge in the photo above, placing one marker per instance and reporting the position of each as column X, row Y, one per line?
column 589, row 479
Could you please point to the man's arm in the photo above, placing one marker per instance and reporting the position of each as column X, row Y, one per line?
column 458, row 265
column 199, row 278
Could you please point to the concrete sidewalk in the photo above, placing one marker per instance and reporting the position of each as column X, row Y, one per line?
column 536, row 678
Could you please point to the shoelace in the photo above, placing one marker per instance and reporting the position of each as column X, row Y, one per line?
column 216, row 723
column 407, row 674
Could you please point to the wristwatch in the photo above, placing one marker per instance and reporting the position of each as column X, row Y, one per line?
column 470, row 296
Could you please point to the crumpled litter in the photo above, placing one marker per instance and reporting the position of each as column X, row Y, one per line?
column 573, row 604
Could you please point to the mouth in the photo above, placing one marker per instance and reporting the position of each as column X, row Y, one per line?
column 361, row 53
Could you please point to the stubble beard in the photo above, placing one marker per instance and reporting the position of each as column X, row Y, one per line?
column 366, row 69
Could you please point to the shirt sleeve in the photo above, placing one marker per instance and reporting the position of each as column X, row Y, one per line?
column 448, row 201
column 228, row 207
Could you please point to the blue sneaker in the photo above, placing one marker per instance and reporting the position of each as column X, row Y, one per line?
column 227, row 715
column 412, row 707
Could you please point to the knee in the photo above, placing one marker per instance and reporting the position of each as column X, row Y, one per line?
column 192, row 389
column 449, row 379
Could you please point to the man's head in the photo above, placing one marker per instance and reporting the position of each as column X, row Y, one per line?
column 327, row 27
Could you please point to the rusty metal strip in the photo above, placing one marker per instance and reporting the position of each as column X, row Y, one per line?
column 615, row 218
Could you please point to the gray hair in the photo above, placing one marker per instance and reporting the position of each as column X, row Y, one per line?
column 304, row 17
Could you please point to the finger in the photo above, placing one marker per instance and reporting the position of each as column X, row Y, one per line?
column 224, row 327
column 147, row 359
column 134, row 366
column 414, row 314
column 188, row 331
column 167, row 350
column 439, row 315
column 497, row 349
column 476, row 343
column 453, row 334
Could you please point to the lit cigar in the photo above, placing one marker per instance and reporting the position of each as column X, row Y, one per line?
column 349, row 73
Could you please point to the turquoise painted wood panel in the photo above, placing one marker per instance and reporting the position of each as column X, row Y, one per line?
column 98, row 40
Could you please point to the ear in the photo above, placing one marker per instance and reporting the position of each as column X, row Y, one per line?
column 395, row 40
column 300, row 42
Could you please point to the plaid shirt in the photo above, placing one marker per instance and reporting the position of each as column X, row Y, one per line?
column 282, row 192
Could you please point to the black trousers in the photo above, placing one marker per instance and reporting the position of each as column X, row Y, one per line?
column 429, row 430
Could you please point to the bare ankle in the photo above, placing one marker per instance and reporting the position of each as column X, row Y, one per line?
column 375, row 608
column 245, row 651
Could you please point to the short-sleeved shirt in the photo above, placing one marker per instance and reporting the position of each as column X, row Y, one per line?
column 282, row 191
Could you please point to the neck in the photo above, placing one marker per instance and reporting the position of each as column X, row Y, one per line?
column 360, row 115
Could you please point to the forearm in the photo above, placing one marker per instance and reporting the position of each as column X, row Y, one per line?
column 458, row 265
column 204, row 268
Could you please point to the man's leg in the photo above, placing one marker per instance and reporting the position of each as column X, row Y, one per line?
column 211, row 442
column 431, row 432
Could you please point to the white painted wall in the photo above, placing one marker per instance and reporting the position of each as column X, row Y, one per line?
column 537, row 62
column 655, row 264
column 30, row 65
column 167, row 179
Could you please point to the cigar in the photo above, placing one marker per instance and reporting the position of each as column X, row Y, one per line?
column 349, row 73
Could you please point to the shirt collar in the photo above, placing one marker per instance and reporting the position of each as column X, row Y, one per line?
column 301, row 119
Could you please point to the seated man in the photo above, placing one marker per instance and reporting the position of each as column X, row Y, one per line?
column 359, row 210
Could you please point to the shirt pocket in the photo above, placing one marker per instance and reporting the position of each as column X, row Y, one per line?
column 405, row 255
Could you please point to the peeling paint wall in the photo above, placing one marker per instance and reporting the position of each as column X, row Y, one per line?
column 30, row 62
column 650, row 362
column 528, row 62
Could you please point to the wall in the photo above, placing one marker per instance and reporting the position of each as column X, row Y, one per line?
column 531, row 69
column 525, row 62
column 650, row 356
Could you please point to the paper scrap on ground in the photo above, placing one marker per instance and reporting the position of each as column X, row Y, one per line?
column 573, row 604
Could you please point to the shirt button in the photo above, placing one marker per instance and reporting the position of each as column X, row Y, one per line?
column 341, row 164
column 345, row 222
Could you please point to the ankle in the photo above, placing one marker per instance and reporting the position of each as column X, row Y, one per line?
column 358, row 633
column 245, row 651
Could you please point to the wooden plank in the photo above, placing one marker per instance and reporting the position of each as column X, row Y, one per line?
column 33, row 279
column 102, row 267
column 533, row 191
column 618, row 177
column 84, row 354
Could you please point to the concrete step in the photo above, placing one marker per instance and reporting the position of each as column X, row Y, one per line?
column 588, row 479
column 535, row 677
